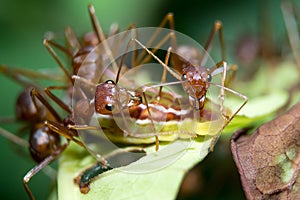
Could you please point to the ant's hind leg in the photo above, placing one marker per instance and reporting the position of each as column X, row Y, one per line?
column 39, row 167
column 218, row 27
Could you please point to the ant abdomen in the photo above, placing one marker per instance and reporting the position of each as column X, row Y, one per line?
column 27, row 110
column 43, row 142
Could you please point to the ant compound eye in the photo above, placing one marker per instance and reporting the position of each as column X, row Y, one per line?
column 183, row 77
column 110, row 82
column 209, row 78
column 109, row 107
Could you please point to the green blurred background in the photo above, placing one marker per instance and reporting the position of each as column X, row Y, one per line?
column 24, row 23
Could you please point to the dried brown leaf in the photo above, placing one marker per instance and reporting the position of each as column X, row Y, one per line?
column 269, row 160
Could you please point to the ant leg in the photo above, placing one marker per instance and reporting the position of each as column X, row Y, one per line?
column 12, row 137
column 100, row 34
column 135, row 60
column 55, row 98
column 233, row 69
column 39, row 167
column 218, row 27
column 63, row 131
column 131, row 29
column 152, row 123
column 222, row 67
column 223, row 84
column 222, row 92
column 215, row 70
column 123, row 59
column 56, row 45
column 69, row 134
column 96, row 24
column 24, row 76
column 170, row 36
column 170, row 70
column 5, row 120
column 164, row 75
column 35, row 94
column 48, row 44
column 228, row 119
column 140, row 59
column 72, row 41
column 219, row 68
column 169, row 18
column 83, row 80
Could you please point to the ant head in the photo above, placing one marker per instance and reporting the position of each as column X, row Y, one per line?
column 105, row 97
column 196, row 82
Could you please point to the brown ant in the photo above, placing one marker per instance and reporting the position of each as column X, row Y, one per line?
column 44, row 143
column 45, row 123
column 51, row 126
column 107, row 98
column 187, row 66
column 111, row 99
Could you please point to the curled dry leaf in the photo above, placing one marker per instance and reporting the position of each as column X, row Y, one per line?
column 268, row 161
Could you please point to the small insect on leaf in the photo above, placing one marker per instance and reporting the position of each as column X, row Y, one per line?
column 268, row 160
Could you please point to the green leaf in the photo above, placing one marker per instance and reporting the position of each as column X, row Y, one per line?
column 119, row 184
column 257, row 111
column 138, row 180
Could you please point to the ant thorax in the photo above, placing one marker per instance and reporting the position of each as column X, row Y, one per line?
column 196, row 82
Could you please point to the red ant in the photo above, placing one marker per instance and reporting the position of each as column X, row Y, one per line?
column 187, row 66
column 107, row 98
column 114, row 101
column 50, row 126
column 110, row 99
column 45, row 123
column 44, row 143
